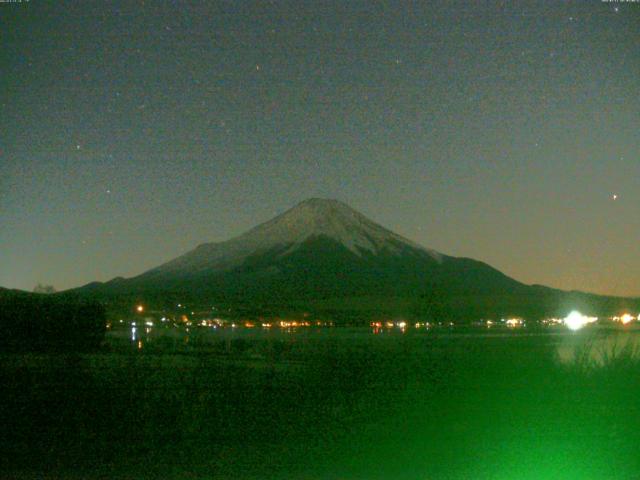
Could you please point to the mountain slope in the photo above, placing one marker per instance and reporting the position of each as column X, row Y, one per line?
column 321, row 246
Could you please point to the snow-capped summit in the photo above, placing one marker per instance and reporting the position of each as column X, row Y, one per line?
column 310, row 219
column 333, row 219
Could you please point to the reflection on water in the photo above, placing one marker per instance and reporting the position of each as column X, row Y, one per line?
column 590, row 347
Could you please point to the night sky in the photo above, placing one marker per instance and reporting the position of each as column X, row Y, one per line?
column 508, row 132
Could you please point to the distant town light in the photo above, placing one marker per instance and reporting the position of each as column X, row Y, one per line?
column 140, row 308
column 553, row 321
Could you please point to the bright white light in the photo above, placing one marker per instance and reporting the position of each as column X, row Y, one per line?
column 149, row 324
column 626, row 318
column 575, row 320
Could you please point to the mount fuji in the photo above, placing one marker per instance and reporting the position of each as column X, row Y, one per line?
column 322, row 255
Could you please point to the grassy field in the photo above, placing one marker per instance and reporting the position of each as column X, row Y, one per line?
column 334, row 406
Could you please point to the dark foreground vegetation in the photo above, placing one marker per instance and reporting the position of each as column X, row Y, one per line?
column 38, row 322
column 367, row 407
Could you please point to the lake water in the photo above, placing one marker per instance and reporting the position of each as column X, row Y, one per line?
column 594, row 346
column 327, row 403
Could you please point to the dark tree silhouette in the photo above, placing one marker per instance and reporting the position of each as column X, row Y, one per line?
column 50, row 322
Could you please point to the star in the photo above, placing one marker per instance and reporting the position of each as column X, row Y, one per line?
column 77, row 147
column 614, row 196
